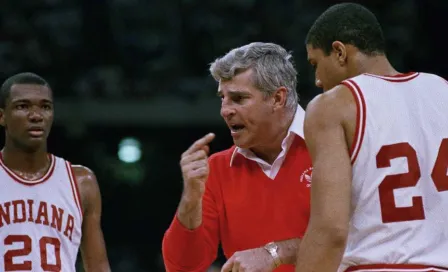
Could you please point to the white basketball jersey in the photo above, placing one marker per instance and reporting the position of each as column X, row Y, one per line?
column 399, row 209
column 40, row 220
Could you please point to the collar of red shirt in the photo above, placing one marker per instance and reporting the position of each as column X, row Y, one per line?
column 295, row 128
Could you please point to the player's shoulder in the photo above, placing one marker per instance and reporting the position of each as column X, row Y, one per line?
column 330, row 108
column 85, row 179
column 331, row 100
column 87, row 183
column 79, row 171
column 83, row 172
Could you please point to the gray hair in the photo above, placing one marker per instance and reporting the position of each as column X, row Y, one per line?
column 272, row 65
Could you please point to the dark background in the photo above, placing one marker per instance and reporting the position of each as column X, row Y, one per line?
column 136, row 68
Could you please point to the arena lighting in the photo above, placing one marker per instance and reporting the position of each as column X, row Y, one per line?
column 129, row 150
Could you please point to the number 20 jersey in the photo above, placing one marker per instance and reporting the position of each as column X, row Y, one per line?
column 40, row 220
column 399, row 206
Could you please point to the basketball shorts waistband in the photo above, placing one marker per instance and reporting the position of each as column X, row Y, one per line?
column 395, row 268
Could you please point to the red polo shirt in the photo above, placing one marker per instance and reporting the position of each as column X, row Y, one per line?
column 244, row 207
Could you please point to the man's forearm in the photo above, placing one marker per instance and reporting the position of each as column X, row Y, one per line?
column 287, row 250
column 189, row 213
column 320, row 252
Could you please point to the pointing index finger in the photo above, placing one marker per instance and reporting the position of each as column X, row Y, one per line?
column 199, row 144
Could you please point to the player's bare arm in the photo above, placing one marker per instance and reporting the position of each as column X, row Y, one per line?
column 93, row 249
column 324, row 242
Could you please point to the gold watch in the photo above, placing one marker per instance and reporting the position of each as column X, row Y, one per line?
column 272, row 248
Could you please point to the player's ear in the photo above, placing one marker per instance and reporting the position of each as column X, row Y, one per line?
column 2, row 117
column 340, row 50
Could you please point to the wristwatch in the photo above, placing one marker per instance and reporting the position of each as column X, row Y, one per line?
column 272, row 248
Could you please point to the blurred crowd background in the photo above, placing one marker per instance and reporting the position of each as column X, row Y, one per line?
column 133, row 91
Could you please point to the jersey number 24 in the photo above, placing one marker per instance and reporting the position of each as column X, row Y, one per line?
column 389, row 211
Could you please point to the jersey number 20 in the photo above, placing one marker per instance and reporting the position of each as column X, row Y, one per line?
column 26, row 241
column 389, row 211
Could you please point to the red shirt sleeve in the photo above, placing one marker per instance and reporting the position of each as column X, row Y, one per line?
column 194, row 250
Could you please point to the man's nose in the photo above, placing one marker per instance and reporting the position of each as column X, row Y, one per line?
column 227, row 111
column 35, row 115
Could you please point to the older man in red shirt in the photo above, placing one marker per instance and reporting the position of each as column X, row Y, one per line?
column 253, row 198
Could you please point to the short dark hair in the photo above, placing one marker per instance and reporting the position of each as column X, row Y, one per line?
column 21, row 78
column 348, row 23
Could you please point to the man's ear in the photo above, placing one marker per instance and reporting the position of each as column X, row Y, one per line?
column 341, row 51
column 280, row 96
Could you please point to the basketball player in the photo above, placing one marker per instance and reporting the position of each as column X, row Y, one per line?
column 379, row 147
column 48, row 207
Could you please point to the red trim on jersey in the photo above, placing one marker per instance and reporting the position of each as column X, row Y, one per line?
column 398, row 77
column 395, row 267
column 360, row 118
column 74, row 185
column 24, row 181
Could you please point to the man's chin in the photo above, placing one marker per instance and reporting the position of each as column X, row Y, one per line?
column 241, row 144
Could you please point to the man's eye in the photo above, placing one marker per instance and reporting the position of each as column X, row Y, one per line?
column 237, row 98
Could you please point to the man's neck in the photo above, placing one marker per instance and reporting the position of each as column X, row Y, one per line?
column 376, row 65
column 27, row 162
column 270, row 151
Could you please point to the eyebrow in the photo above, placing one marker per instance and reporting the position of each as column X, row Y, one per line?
column 24, row 100
column 235, row 92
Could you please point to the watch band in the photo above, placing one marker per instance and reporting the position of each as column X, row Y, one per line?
column 272, row 248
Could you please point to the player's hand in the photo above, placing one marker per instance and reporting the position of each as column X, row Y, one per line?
column 194, row 166
column 251, row 260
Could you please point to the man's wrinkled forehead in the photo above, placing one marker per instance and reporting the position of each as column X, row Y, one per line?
column 240, row 83
column 231, row 90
